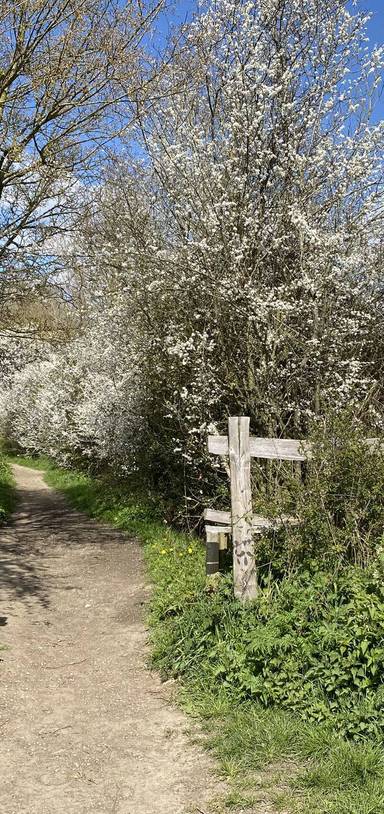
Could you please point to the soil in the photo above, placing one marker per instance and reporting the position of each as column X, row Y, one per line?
column 85, row 727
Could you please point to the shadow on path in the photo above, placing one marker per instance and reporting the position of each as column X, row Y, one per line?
column 41, row 526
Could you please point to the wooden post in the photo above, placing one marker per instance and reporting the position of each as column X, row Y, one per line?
column 223, row 546
column 212, row 552
column 244, row 568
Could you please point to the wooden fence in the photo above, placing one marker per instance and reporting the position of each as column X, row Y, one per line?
column 240, row 522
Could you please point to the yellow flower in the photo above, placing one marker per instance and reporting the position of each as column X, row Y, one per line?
column 190, row 550
column 163, row 551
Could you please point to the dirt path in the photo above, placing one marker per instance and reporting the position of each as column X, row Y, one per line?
column 84, row 727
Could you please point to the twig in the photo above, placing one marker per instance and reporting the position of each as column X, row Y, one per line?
column 53, row 731
column 114, row 809
column 59, row 666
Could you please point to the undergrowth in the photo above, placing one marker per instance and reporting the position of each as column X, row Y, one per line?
column 338, row 501
column 7, row 492
column 278, row 684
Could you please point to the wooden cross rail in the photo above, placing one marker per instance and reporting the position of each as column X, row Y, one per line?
column 271, row 448
column 258, row 522
column 240, row 521
column 280, row 449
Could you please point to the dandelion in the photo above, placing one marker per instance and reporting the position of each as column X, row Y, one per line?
column 190, row 550
column 163, row 551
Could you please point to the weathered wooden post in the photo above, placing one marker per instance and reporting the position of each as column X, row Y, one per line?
column 212, row 552
column 245, row 525
column 244, row 567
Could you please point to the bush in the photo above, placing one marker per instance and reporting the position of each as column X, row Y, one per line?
column 342, row 506
column 339, row 503
column 313, row 644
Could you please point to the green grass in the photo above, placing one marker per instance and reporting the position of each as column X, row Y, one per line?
column 41, row 463
column 312, row 769
column 7, row 491
column 266, row 754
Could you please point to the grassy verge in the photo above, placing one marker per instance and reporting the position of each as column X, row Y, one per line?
column 274, row 760
column 7, row 492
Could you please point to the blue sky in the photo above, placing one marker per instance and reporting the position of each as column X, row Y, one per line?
column 180, row 9
column 183, row 9
column 377, row 24
column 376, row 33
